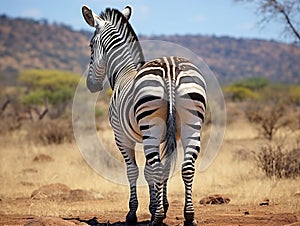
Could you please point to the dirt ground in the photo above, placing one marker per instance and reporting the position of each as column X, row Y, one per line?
column 106, row 203
column 83, row 209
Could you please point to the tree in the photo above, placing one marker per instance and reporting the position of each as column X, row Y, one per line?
column 246, row 89
column 48, row 91
column 239, row 93
column 287, row 11
column 253, row 83
column 269, row 118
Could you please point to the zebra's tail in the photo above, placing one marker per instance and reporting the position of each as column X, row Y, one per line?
column 169, row 153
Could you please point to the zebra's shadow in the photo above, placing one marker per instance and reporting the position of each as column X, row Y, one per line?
column 94, row 222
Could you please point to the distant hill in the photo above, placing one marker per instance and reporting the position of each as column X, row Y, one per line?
column 234, row 59
column 26, row 43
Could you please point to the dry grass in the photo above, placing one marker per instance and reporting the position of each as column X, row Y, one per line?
column 233, row 173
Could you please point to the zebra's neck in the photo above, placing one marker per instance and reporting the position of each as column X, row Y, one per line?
column 120, row 65
column 124, row 54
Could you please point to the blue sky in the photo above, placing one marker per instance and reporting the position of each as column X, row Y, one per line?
column 213, row 17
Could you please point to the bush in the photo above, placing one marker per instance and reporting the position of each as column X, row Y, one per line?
column 253, row 83
column 238, row 93
column 9, row 125
column 269, row 118
column 276, row 162
column 52, row 132
column 294, row 95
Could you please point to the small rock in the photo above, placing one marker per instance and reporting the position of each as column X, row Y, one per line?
column 215, row 200
column 43, row 158
column 297, row 194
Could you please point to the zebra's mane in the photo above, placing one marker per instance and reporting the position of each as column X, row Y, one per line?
column 117, row 19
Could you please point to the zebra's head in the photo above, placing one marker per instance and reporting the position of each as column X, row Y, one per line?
column 98, row 63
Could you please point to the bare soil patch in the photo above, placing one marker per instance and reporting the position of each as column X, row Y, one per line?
column 57, row 204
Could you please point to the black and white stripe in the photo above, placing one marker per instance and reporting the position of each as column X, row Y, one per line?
column 154, row 103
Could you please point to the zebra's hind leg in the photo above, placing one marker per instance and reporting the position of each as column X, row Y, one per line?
column 148, row 172
column 165, row 193
column 152, row 193
column 132, row 175
column 191, row 144
column 156, row 184
column 188, row 170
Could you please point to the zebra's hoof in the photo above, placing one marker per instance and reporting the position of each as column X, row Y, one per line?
column 131, row 219
column 190, row 223
column 156, row 223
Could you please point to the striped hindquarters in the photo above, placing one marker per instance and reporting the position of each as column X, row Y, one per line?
column 168, row 88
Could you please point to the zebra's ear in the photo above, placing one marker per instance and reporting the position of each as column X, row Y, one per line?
column 91, row 18
column 127, row 12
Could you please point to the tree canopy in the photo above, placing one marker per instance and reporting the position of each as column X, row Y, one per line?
column 48, row 87
column 286, row 11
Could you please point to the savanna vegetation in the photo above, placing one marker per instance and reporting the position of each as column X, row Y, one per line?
column 259, row 157
column 40, row 106
column 274, row 110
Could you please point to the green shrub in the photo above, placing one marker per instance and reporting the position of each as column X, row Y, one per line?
column 238, row 93
column 294, row 95
column 253, row 84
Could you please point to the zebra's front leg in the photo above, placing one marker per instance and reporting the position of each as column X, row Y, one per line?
column 132, row 176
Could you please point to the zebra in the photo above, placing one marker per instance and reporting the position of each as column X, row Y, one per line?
column 154, row 103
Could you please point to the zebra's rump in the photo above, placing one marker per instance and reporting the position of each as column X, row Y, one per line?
column 156, row 73
column 175, row 68
column 169, row 85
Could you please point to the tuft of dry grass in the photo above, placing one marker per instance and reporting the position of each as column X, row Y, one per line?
column 49, row 132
